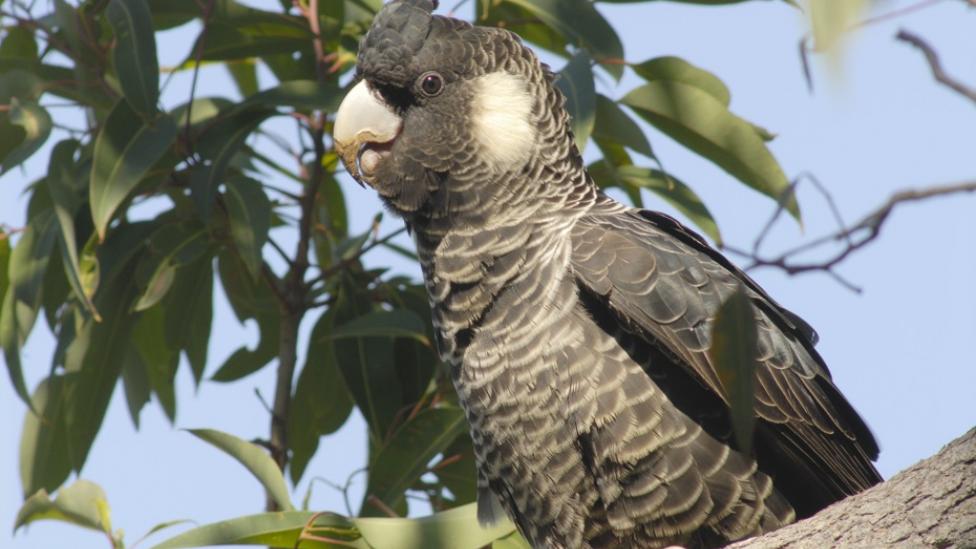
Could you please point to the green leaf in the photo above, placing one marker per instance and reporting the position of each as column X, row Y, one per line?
column 83, row 503
column 135, row 54
column 4, row 265
column 219, row 143
column 19, row 43
column 245, row 75
column 403, row 460
column 255, row 459
column 322, row 402
column 27, row 266
column 189, row 317
column 153, row 356
column 228, row 39
column 511, row 541
column 457, row 472
column 613, row 124
column 676, row 69
column 125, row 150
column 596, row 34
column 249, row 212
column 244, row 362
column 281, row 529
column 668, row 187
column 135, row 381
column 170, row 247
column 36, row 123
column 367, row 364
column 45, row 460
column 735, row 352
column 65, row 187
column 395, row 323
column 576, row 83
column 701, row 123
column 454, row 529
column 300, row 94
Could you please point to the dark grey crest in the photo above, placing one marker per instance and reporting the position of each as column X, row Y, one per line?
column 388, row 51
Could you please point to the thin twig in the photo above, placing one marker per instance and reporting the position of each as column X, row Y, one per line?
column 856, row 237
column 936, row 65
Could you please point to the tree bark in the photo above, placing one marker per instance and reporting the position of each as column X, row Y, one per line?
column 931, row 504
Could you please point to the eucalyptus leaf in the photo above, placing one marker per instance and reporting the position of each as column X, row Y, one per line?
column 735, row 353
column 83, row 503
column 255, row 459
column 576, row 83
column 135, row 54
column 697, row 120
column 402, row 460
column 125, row 150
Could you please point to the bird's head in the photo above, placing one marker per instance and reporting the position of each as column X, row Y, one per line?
column 444, row 109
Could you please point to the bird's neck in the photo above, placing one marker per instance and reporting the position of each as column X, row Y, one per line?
column 478, row 278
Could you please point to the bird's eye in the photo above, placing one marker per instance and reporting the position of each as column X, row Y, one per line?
column 431, row 84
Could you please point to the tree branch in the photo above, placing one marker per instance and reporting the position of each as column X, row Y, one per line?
column 855, row 237
column 936, row 65
column 931, row 504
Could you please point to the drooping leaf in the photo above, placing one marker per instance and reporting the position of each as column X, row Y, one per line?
column 219, row 143
column 668, row 187
column 228, row 39
column 189, row 317
column 511, row 541
column 367, row 364
column 453, row 529
column 576, row 83
column 676, row 69
column 255, row 459
column 45, row 460
column 402, row 460
column 395, row 323
column 245, row 75
column 27, row 266
column 457, row 470
column 695, row 119
column 135, row 381
column 244, row 362
column 83, row 503
column 170, row 247
column 135, row 54
column 321, row 403
column 19, row 43
column 63, row 185
column 36, row 123
column 98, row 365
column 155, row 357
column 734, row 353
column 281, row 529
column 596, row 34
column 300, row 94
column 125, row 150
column 613, row 124
column 249, row 213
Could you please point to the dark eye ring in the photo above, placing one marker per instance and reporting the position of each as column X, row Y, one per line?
column 431, row 83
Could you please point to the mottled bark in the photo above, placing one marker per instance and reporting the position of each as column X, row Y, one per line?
column 931, row 504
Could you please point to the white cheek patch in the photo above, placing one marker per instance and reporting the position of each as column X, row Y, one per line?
column 501, row 124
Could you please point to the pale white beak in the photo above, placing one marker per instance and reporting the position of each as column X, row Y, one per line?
column 365, row 128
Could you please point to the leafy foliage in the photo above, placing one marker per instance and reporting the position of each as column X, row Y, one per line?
column 129, row 294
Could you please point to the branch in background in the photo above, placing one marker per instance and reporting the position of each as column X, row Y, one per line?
column 936, row 65
column 294, row 303
column 854, row 237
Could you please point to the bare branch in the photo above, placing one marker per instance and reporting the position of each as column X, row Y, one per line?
column 936, row 65
column 855, row 237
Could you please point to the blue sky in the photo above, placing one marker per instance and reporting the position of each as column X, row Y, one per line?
column 900, row 351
